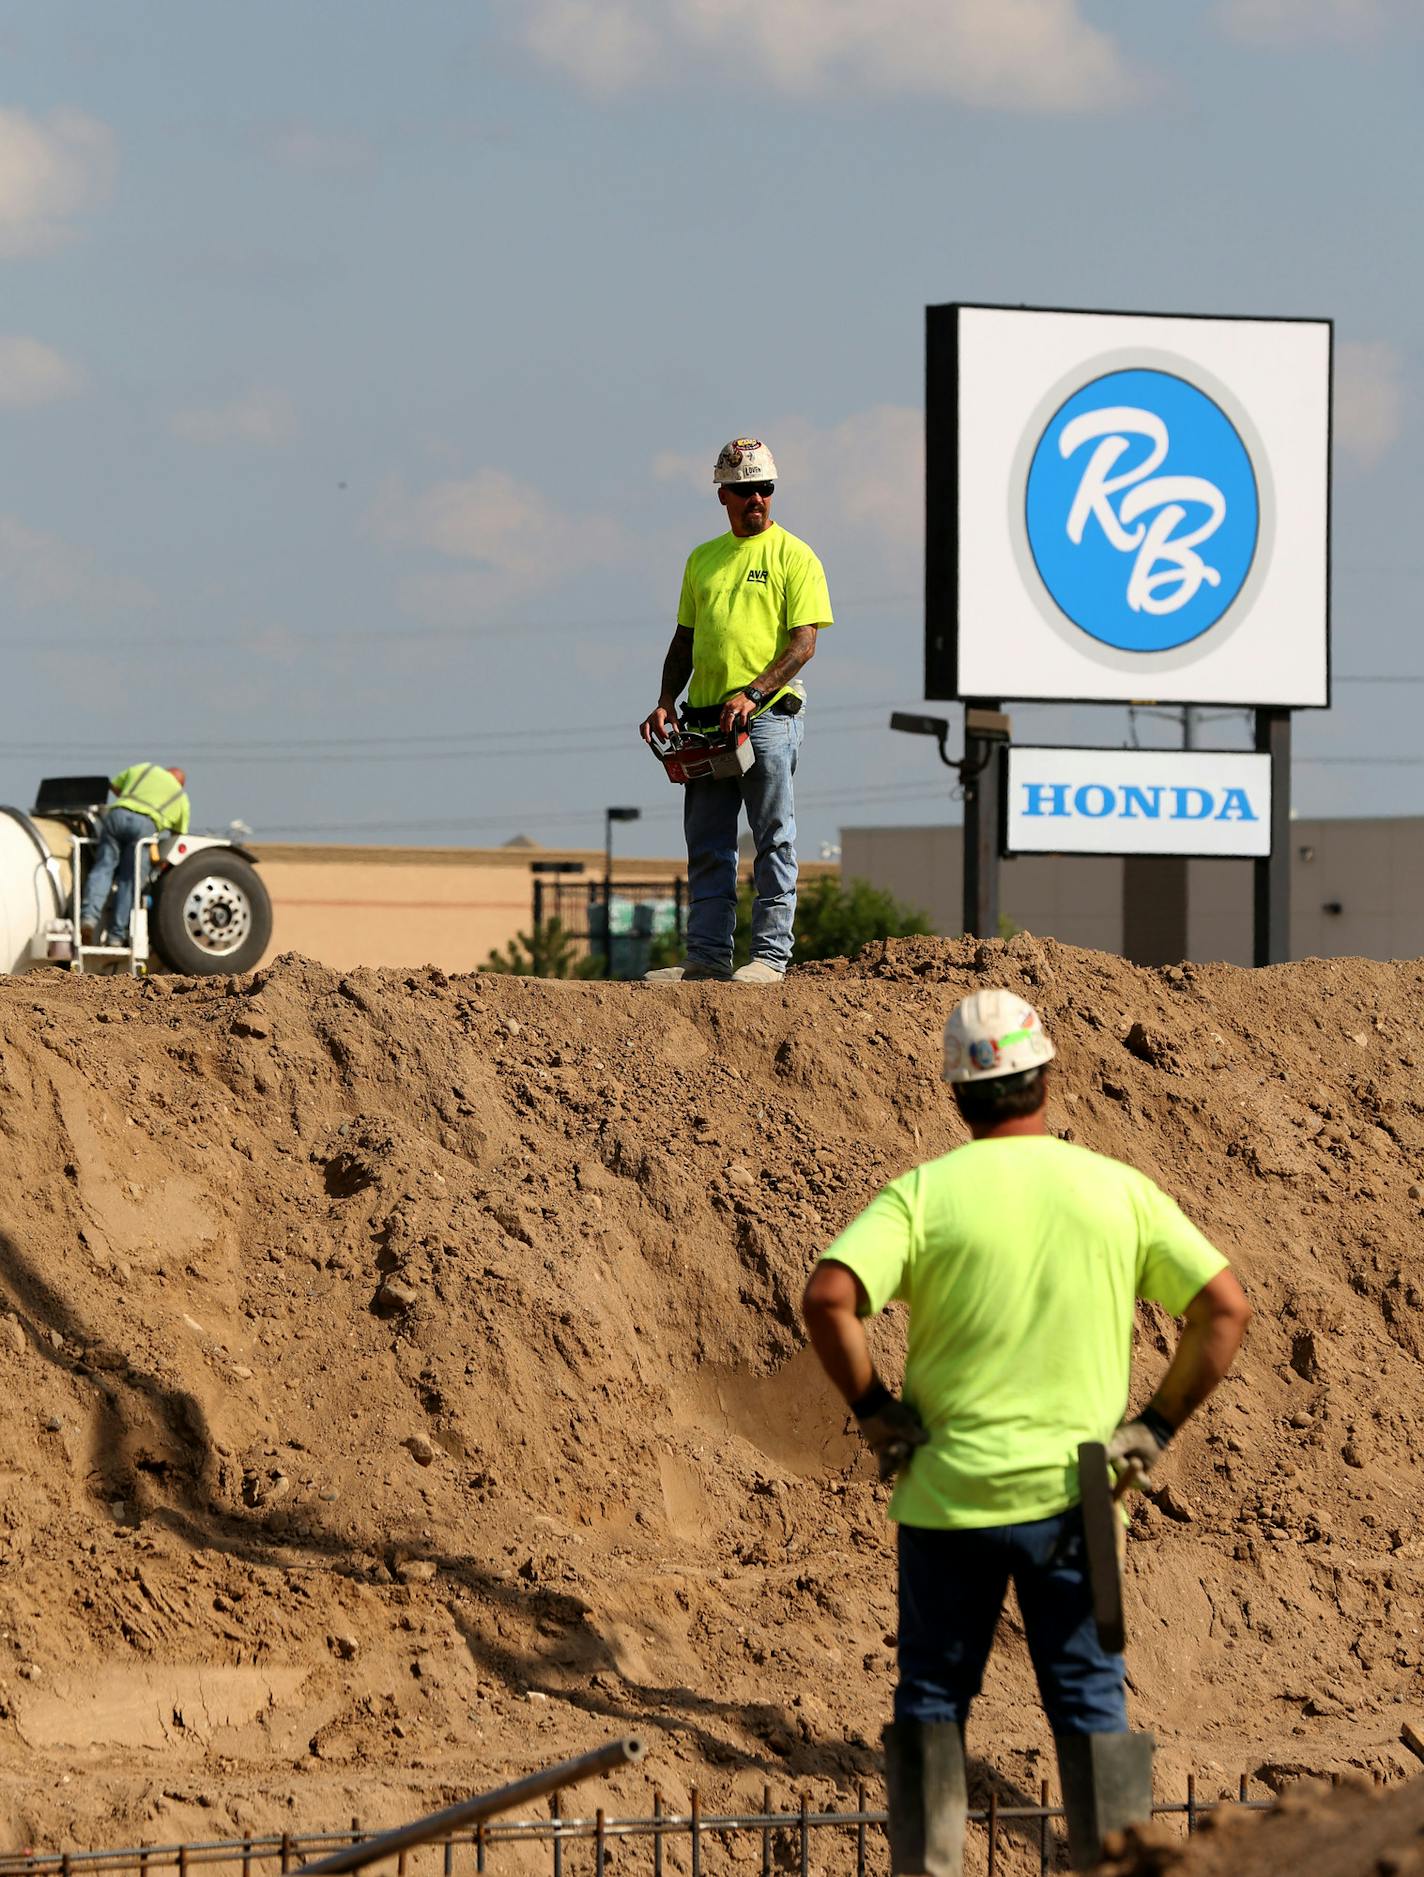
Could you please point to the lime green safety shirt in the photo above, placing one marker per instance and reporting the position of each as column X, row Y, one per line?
column 1020, row 1259
column 154, row 792
column 741, row 600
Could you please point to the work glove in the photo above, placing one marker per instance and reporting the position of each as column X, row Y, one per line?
column 889, row 1427
column 1137, row 1446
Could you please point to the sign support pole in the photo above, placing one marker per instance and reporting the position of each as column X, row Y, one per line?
column 986, row 730
column 1271, row 938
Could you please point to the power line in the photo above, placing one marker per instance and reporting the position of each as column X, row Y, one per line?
column 277, row 638
column 357, row 746
column 543, row 744
column 565, row 817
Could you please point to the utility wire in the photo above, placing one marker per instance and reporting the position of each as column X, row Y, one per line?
column 874, row 794
column 258, row 749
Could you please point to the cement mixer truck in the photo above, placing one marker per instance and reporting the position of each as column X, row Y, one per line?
column 199, row 907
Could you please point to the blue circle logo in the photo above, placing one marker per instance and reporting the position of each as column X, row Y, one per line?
column 1142, row 510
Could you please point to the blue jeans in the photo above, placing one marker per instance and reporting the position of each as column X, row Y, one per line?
column 120, row 833
column 710, row 813
column 952, row 1586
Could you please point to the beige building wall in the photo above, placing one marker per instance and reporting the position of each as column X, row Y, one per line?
column 1357, row 890
column 923, row 868
column 446, row 906
column 406, row 906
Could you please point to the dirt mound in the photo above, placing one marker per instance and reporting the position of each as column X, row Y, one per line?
column 1352, row 1831
column 403, row 1383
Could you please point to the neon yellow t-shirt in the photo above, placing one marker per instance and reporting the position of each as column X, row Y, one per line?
column 1020, row 1259
column 741, row 600
column 156, row 793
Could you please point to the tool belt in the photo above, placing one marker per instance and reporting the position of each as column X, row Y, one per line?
column 709, row 716
column 704, row 755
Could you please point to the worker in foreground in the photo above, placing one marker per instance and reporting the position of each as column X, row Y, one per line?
column 1020, row 1257
column 752, row 604
column 151, row 800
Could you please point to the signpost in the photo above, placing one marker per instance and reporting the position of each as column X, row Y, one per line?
column 1130, row 508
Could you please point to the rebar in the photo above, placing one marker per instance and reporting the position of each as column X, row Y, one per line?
column 250, row 1855
column 627, row 1751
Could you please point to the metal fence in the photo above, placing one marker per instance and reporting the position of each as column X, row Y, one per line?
column 641, row 911
column 783, row 1841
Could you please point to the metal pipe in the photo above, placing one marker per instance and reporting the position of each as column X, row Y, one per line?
column 993, row 1864
column 606, row 1759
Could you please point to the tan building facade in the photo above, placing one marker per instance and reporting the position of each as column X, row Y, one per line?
column 1357, row 890
column 405, row 906
column 446, row 906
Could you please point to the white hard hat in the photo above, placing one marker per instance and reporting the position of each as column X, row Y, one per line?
column 993, row 1033
column 745, row 459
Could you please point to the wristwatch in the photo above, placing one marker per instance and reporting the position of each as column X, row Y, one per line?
column 757, row 697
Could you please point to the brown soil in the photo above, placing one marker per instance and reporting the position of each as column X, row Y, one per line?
column 1351, row 1832
column 403, row 1383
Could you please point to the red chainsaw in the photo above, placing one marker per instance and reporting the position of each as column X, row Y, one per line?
column 703, row 755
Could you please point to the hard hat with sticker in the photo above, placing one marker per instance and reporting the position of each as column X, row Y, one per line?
column 744, row 459
column 993, row 1033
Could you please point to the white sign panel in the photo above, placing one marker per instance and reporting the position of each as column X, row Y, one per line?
column 1095, row 801
column 1138, row 506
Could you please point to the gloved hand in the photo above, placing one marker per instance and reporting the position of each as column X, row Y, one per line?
column 1137, row 1446
column 889, row 1427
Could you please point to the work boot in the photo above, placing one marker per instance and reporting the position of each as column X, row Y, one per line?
column 757, row 972
column 694, row 971
column 927, row 1797
column 86, row 932
column 1107, row 1783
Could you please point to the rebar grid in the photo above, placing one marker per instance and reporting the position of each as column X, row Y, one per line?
column 695, row 1832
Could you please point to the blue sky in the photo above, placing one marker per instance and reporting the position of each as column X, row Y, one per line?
column 363, row 366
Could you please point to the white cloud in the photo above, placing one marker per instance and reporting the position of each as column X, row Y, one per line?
column 1371, row 398
column 34, row 373
column 1283, row 21
column 259, row 416
column 1031, row 55
column 319, row 152
column 516, row 540
column 855, row 490
column 51, row 171
column 40, row 570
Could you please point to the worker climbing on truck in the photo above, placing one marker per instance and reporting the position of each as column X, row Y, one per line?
column 150, row 800
column 1020, row 1257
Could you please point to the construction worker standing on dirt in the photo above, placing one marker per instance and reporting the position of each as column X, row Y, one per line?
column 1020, row 1257
column 151, row 801
column 752, row 604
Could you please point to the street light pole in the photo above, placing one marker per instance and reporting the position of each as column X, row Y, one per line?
column 610, row 815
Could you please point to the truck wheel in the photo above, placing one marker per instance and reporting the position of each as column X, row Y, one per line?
column 211, row 915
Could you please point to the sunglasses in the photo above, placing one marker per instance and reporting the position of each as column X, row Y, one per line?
column 747, row 489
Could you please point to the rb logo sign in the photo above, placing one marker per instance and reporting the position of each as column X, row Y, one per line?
column 1142, row 510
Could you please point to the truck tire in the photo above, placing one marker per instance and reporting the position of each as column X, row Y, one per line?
column 211, row 915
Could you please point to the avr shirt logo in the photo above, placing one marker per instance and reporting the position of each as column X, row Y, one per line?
column 758, row 577
column 1142, row 510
